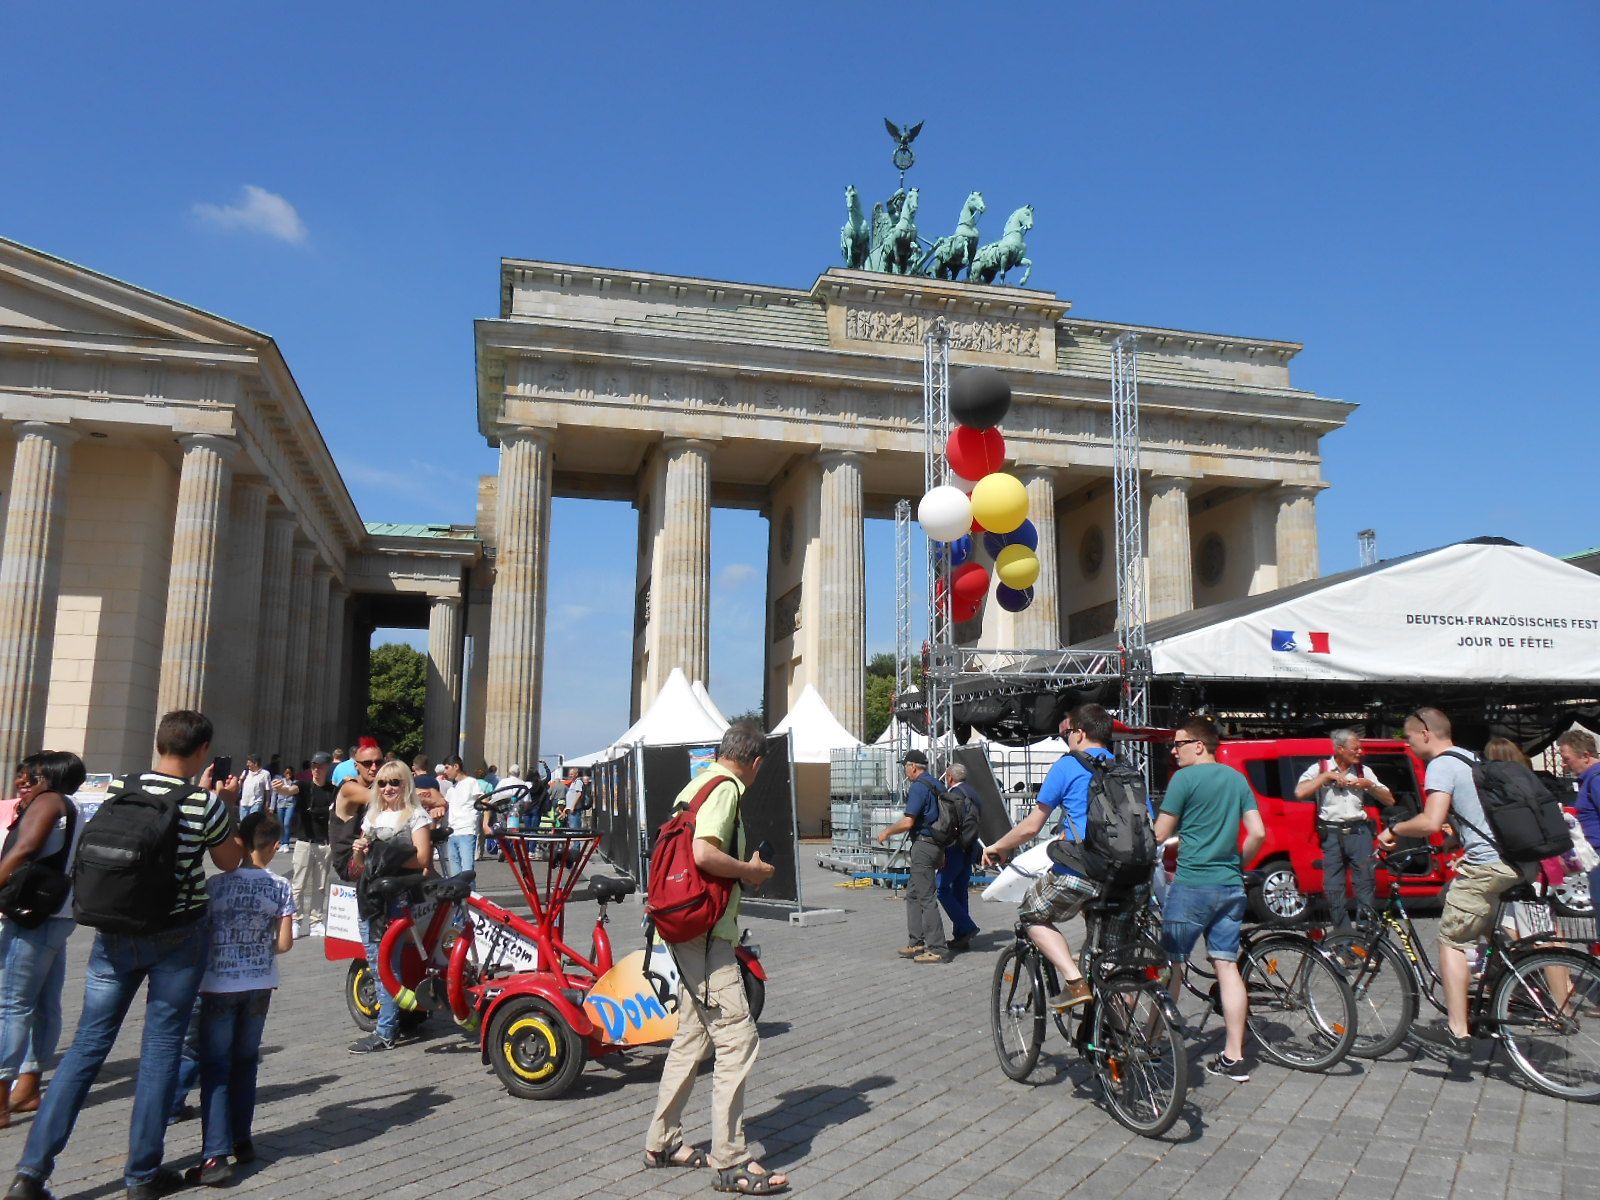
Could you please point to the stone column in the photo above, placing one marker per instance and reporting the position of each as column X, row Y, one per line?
column 440, row 727
column 294, row 658
column 516, row 631
column 233, row 681
column 680, row 592
column 199, row 532
column 333, row 669
column 1170, row 576
column 1297, row 535
column 314, row 665
column 276, row 562
column 1039, row 627
column 30, row 583
column 841, row 668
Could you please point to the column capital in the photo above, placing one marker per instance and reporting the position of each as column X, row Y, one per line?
column 682, row 445
column 1026, row 473
column 321, row 572
column 832, row 455
column 1298, row 491
column 55, row 432
column 226, row 448
column 543, row 434
column 252, row 483
column 1171, row 483
column 444, row 600
column 281, row 515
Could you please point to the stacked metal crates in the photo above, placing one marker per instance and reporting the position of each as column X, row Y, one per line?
column 864, row 802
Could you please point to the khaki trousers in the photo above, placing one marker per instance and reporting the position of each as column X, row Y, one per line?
column 723, row 1023
column 311, row 880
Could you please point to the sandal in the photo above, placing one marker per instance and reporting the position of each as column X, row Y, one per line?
column 745, row 1182
column 669, row 1158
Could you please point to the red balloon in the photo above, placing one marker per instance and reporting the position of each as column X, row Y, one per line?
column 962, row 611
column 969, row 584
column 974, row 453
column 978, row 530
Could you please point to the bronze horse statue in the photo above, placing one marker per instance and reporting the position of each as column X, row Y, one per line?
column 1011, row 250
column 951, row 255
column 855, row 239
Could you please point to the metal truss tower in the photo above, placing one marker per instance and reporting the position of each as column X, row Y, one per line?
column 1127, row 502
column 904, row 660
column 941, row 659
column 1367, row 540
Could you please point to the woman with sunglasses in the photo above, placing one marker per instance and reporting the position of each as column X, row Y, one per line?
column 34, row 959
column 393, row 815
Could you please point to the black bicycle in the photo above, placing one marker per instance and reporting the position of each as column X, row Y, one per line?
column 1129, row 1032
column 1538, row 996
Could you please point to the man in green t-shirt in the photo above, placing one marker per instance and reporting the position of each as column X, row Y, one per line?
column 713, row 1012
column 1205, row 805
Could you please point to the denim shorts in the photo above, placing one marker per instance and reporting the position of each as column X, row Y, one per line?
column 1192, row 910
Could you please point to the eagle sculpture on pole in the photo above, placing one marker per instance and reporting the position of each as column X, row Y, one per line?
column 903, row 158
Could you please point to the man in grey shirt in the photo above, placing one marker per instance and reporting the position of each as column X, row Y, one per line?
column 1481, row 875
column 1343, row 788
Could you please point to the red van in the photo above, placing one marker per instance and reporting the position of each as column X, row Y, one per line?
column 1292, row 854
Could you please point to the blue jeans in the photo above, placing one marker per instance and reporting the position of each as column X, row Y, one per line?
column 286, row 815
column 575, row 820
column 188, row 1064
column 459, row 851
column 172, row 963
column 955, row 880
column 231, row 1024
column 35, row 966
column 1193, row 910
column 388, row 1006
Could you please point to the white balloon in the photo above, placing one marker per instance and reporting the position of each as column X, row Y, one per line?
column 966, row 485
column 945, row 513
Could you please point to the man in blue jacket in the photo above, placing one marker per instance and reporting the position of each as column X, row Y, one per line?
column 928, row 944
column 1581, row 757
column 1061, row 894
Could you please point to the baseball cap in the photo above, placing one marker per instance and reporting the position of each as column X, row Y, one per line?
column 915, row 756
column 321, row 758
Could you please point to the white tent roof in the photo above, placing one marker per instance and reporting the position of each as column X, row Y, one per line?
column 816, row 730
column 584, row 761
column 710, row 705
column 1483, row 611
column 891, row 735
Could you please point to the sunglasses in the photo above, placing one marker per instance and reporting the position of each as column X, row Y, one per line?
column 391, row 783
column 1186, row 742
column 368, row 763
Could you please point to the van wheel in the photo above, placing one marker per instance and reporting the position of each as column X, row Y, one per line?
column 1279, row 897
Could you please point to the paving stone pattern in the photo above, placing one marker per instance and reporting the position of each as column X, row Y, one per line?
column 877, row 1079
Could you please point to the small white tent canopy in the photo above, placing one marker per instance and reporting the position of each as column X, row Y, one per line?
column 584, row 761
column 815, row 729
column 890, row 737
column 710, row 705
column 675, row 718
column 1481, row 611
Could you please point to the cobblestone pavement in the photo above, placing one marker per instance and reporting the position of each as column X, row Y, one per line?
column 877, row 1079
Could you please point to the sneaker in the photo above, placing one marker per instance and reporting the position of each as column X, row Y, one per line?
column 931, row 956
column 182, row 1111
column 1228, row 1068
column 244, row 1152
column 26, row 1187
column 911, row 951
column 318, row 929
column 163, row 1183
column 214, row 1172
column 1439, row 1035
column 299, row 930
column 1075, row 993
column 370, row 1044
column 964, row 942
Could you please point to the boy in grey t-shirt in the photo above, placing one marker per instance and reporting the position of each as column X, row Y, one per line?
column 1481, row 875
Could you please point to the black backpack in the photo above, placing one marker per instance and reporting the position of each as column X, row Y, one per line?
column 947, row 828
column 125, row 876
column 1118, row 846
column 1526, row 822
column 968, row 836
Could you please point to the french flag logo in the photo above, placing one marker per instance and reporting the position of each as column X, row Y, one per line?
column 1288, row 641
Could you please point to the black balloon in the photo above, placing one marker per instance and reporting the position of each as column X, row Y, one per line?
column 979, row 397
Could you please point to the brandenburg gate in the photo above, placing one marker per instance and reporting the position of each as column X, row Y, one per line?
column 678, row 394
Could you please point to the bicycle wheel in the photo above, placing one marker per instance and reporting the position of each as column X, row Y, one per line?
column 1016, row 1012
column 1385, row 992
column 1139, row 1056
column 1547, row 1008
column 1302, row 1011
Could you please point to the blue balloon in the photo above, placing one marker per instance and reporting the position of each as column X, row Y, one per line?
column 1024, row 535
column 994, row 543
column 957, row 551
column 1012, row 600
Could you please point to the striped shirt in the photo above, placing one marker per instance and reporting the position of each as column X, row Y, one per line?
column 203, row 821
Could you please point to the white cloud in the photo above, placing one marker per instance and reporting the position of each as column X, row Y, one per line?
column 736, row 575
column 257, row 211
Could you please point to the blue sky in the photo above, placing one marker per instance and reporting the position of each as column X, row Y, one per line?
column 1410, row 190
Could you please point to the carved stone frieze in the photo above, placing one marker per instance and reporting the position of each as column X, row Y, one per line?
column 984, row 335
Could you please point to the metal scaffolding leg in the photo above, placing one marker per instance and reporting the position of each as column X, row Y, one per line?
column 936, row 471
column 1127, row 504
column 904, row 663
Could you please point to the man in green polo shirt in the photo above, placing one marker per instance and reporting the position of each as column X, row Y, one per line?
column 713, row 1012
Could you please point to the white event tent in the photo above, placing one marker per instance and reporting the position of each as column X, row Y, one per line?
column 676, row 717
column 814, row 733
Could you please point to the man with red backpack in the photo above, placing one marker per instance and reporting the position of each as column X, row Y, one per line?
column 713, row 1013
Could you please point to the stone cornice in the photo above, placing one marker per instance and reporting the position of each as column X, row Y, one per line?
column 1161, row 337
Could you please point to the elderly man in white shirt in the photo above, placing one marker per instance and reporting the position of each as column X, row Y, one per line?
column 1343, row 788
column 255, row 788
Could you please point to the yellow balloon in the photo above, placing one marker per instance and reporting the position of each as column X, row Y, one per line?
column 1000, row 502
column 1017, row 567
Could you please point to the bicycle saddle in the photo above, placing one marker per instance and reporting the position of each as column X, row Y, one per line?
column 457, row 887
column 1522, row 891
column 608, row 889
column 391, row 887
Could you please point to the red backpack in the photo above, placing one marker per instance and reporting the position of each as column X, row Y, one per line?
column 684, row 902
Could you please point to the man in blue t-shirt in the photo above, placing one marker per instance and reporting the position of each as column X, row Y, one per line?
column 1061, row 894
column 928, row 944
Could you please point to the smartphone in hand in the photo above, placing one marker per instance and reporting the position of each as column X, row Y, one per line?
column 221, row 768
column 765, row 850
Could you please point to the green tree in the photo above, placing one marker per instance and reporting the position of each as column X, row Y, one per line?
column 754, row 715
column 399, row 691
column 880, row 694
